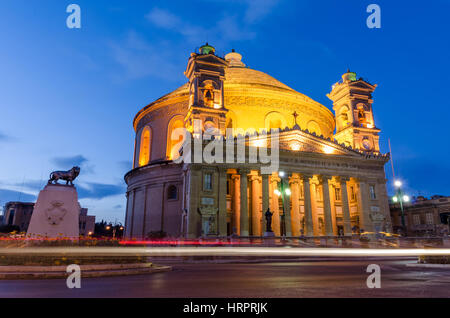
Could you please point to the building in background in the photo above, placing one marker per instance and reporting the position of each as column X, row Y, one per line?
column 423, row 216
column 87, row 223
column 19, row 214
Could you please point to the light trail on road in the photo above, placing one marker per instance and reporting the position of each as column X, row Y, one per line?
column 222, row 251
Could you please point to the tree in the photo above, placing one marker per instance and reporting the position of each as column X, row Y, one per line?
column 104, row 229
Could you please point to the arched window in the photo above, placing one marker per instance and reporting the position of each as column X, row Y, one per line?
column 275, row 124
column 275, row 120
column 313, row 127
column 208, row 97
column 172, row 193
column 362, row 114
column 343, row 118
column 145, row 147
column 174, row 137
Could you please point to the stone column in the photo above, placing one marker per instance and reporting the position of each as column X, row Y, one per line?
column 265, row 200
column 315, row 213
column 223, row 202
column 194, row 220
column 275, row 207
column 308, row 209
column 363, row 198
column 244, row 202
column 132, row 213
column 294, row 183
column 345, row 206
column 144, row 221
column 287, row 210
column 326, row 206
column 256, row 205
column 236, row 204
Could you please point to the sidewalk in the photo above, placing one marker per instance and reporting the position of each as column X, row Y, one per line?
column 57, row 272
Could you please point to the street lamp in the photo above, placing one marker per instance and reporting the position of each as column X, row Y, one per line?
column 401, row 198
column 114, row 228
column 283, row 191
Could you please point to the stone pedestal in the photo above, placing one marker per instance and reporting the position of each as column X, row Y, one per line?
column 269, row 234
column 209, row 221
column 56, row 213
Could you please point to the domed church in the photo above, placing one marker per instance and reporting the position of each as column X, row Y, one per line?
column 329, row 180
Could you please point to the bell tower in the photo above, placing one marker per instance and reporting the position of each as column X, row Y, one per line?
column 352, row 105
column 206, row 74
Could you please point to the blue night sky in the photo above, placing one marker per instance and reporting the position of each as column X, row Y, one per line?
column 69, row 96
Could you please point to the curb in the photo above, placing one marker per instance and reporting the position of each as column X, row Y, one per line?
column 231, row 260
column 136, row 270
column 446, row 266
column 62, row 268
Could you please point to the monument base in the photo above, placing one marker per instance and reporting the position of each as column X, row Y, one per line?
column 56, row 213
column 269, row 234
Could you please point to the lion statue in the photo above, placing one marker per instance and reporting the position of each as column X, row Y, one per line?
column 68, row 176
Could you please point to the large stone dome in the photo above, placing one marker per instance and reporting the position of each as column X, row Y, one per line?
column 254, row 100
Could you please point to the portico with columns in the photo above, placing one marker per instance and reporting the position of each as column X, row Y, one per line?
column 331, row 214
column 329, row 195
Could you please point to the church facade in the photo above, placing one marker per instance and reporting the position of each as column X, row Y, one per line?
column 329, row 178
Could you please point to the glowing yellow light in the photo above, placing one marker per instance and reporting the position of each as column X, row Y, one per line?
column 405, row 198
column 144, row 154
column 394, row 199
column 398, row 183
column 217, row 106
column 288, row 191
column 90, row 233
column 277, row 192
column 328, row 150
column 259, row 143
column 370, row 126
column 295, row 146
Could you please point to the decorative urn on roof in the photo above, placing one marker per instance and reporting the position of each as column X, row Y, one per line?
column 207, row 49
column 349, row 77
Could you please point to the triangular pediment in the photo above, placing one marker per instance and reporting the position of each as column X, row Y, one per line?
column 210, row 58
column 297, row 140
column 207, row 61
column 300, row 141
column 363, row 84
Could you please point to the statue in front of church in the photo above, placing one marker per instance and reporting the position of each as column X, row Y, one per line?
column 269, row 221
column 68, row 176
column 56, row 213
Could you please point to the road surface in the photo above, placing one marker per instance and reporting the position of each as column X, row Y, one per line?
column 252, row 280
